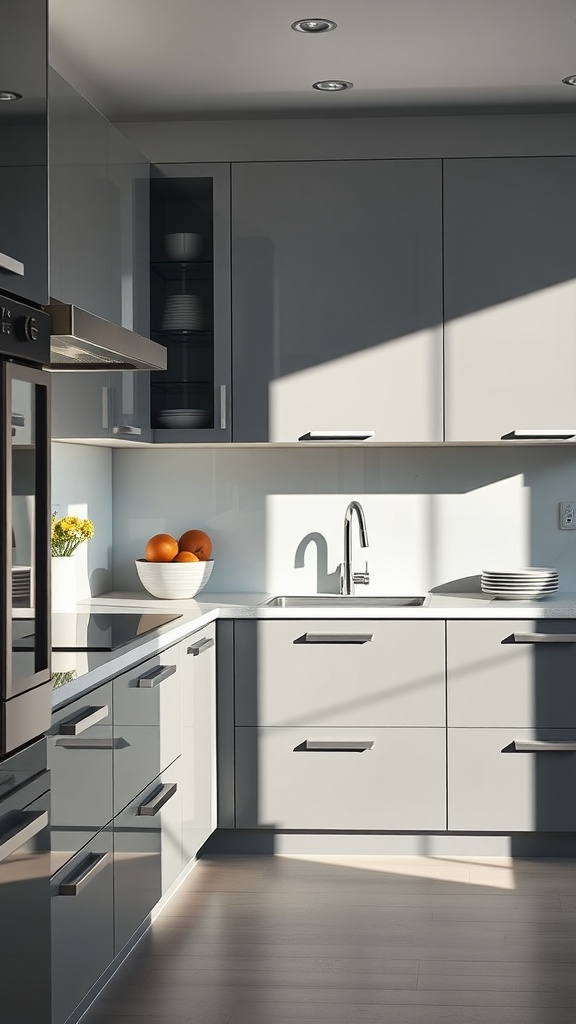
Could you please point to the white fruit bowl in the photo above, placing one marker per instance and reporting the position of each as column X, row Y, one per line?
column 173, row 580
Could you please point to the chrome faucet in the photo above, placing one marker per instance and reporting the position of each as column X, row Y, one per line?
column 347, row 577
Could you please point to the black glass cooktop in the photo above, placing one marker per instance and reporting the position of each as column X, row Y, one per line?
column 98, row 632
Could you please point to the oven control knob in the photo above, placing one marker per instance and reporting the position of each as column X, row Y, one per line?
column 30, row 328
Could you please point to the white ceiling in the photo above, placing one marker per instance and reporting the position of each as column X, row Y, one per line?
column 157, row 59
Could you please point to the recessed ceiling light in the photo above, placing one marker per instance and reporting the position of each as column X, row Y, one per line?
column 313, row 25
column 332, row 85
column 569, row 80
column 6, row 95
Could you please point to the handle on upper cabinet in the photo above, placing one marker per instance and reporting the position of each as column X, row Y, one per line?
column 79, row 724
column 31, row 823
column 125, row 428
column 544, row 746
column 544, row 638
column 338, row 638
column 337, row 435
column 11, row 265
column 151, row 807
column 201, row 645
column 346, row 746
column 155, row 675
column 222, row 407
column 75, row 883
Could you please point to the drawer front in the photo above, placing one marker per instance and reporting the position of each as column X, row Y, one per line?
column 150, row 694
column 147, row 851
column 198, row 741
column 341, row 673
column 512, row 673
column 80, row 756
column 147, row 723
column 496, row 783
column 82, row 924
column 397, row 782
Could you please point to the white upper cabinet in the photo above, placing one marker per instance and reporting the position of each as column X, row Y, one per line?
column 337, row 300
column 510, row 296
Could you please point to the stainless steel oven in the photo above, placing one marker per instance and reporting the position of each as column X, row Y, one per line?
column 25, row 690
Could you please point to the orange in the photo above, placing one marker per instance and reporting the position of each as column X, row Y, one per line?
column 198, row 542
column 161, row 548
column 185, row 556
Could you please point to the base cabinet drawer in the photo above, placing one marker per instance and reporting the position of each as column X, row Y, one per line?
column 82, row 924
column 383, row 779
column 512, row 780
column 517, row 673
column 147, row 851
column 340, row 673
column 80, row 753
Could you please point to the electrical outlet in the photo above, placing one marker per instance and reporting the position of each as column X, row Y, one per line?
column 567, row 515
column 55, row 510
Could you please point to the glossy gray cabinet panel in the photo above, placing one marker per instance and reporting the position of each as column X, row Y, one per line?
column 398, row 783
column 496, row 677
column 81, row 769
column 495, row 787
column 82, row 924
column 147, row 854
column 396, row 678
column 337, row 299
column 198, row 740
column 510, row 290
column 147, row 724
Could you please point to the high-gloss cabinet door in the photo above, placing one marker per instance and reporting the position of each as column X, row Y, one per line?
column 342, row 673
column 516, row 673
column 512, row 780
column 147, row 723
column 337, row 299
column 80, row 756
column 391, row 779
column 82, row 924
column 198, row 741
column 510, row 291
column 24, row 151
column 147, row 851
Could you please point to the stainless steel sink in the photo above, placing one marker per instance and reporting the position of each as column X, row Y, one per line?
column 340, row 601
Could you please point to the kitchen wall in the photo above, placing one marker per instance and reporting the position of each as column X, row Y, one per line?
column 434, row 515
column 82, row 486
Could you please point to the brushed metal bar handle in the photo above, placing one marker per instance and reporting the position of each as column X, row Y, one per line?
column 31, row 823
column 351, row 746
column 80, row 724
column 338, row 638
column 544, row 638
column 544, row 746
column 222, row 407
column 79, row 743
column 75, row 883
column 125, row 428
column 155, row 676
column 105, row 408
column 337, row 435
column 201, row 645
column 561, row 433
column 11, row 265
column 161, row 797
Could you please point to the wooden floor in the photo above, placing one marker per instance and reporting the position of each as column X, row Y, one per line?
column 411, row 940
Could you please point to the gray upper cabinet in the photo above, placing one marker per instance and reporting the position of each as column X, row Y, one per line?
column 510, row 290
column 337, row 299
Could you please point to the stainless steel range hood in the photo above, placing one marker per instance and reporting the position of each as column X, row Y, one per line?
column 82, row 341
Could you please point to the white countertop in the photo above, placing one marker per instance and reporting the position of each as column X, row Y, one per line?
column 92, row 668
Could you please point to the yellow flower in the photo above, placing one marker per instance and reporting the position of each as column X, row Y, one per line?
column 68, row 533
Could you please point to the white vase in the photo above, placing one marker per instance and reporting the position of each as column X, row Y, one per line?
column 63, row 583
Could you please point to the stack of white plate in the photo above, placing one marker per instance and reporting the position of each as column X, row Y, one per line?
column 520, row 584
column 21, row 583
column 182, row 418
column 183, row 313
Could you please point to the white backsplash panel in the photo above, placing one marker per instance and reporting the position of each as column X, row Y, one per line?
column 276, row 516
column 82, row 486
